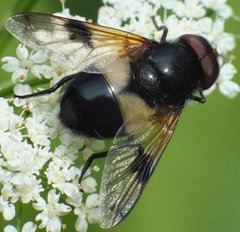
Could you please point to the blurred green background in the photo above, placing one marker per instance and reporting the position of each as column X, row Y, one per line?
column 196, row 186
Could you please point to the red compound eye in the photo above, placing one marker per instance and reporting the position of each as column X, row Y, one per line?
column 206, row 55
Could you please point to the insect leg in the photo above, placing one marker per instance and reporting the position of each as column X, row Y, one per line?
column 47, row 91
column 160, row 28
column 200, row 99
column 89, row 162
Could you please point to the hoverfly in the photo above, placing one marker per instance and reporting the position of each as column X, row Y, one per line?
column 125, row 87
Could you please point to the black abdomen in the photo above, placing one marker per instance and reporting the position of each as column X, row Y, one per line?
column 88, row 107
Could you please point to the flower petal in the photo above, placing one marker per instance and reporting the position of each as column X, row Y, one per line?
column 38, row 58
column 22, row 89
column 42, row 70
column 92, row 200
column 29, row 227
column 210, row 90
column 9, row 212
column 10, row 228
column 53, row 197
column 81, row 224
column 63, row 209
column 22, row 52
column 19, row 75
column 54, row 224
column 227, row 72
column 89, row 184
column 229, row 89
column 40, row 204
column 11, row 65
column 42, row 217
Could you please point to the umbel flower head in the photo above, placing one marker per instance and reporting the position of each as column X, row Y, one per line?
column 40, row 160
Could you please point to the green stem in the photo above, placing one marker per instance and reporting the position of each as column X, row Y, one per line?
column 19, row 218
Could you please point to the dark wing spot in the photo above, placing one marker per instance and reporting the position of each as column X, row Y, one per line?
column 142, row 165
column 79, row 32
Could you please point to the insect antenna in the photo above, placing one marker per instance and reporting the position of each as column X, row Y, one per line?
column 47, row 91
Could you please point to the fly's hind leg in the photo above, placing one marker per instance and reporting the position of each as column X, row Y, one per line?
column 89, row 162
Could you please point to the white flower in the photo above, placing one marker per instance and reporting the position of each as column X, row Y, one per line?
column 19, row 66
column 7, row 191
column 67, row 139
column 60, row 173
column 27, row 227
column 75, row 199
column 229, row 88
column 7, row 209
column 86, row 213
column 59, row 70
column 81, row 224
column 210, row 90
column 110, row 19
column 51, row 211
column 87, row 152
column 66, row 13
column 92, row 200
column 225, row 42
column 226, row 86
column 91, row 209
column 18, row 155
column 38, row 132
column 93, row 146
column 89, row 184
column 5, row 112
column 21, row 89
column 220, row 6
column 98, row 145
column 27, row 186
column 188, row 8
column 15, row 122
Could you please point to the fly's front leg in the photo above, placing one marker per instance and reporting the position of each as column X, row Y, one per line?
column 160, row 28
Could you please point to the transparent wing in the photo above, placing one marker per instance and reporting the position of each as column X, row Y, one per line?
column 76, row 44
column 131, row 162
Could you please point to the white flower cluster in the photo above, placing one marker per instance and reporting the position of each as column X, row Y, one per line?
column 202, row 17
column 38, row 156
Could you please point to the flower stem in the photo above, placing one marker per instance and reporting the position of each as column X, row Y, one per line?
column 19, row 218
